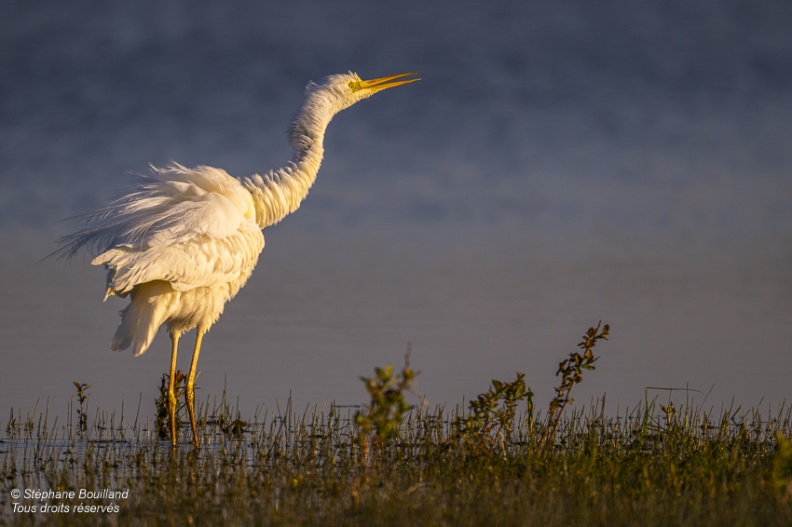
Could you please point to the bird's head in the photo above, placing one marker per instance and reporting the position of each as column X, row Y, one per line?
column 348, row 88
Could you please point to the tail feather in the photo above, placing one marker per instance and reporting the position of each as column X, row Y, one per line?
column 140, row 320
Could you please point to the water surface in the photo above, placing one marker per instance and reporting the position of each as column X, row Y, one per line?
column 559, row 163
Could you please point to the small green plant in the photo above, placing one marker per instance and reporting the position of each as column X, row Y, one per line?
column 670, row 413
column 235, row 428
column 162, row 419
column 490, row 420
column 82, row 398
column 571, row 372
column 379, row 422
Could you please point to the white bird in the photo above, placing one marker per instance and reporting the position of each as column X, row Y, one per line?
column 184, row 241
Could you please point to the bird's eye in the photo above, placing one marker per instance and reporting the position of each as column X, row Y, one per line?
column 354, row 85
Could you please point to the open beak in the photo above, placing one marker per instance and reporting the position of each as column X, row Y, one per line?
column 383, row 83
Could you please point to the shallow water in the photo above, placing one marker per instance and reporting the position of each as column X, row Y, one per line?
column 557, row 165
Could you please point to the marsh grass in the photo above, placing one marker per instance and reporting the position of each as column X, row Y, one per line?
column 391, row 463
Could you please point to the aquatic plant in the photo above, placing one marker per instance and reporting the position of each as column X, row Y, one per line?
column 657, row 463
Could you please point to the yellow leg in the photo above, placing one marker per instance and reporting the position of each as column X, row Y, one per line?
column 189, row 391
column 172, row 388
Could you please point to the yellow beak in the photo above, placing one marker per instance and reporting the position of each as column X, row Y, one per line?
column 383, row 83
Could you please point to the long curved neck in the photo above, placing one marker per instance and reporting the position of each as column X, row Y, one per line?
column 280, row 192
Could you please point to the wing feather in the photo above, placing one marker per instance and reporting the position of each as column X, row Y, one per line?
column 190, row 227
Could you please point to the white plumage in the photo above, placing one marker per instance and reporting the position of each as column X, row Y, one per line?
column 184, row 241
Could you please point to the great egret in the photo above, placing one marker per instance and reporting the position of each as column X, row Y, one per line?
column 183, row 241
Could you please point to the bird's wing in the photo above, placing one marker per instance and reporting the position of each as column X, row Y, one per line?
column 191, row 227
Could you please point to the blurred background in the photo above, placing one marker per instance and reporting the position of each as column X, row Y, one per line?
column 560, row 163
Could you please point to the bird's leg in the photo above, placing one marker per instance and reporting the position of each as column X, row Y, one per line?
column 189, row 391
column 172, row 387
